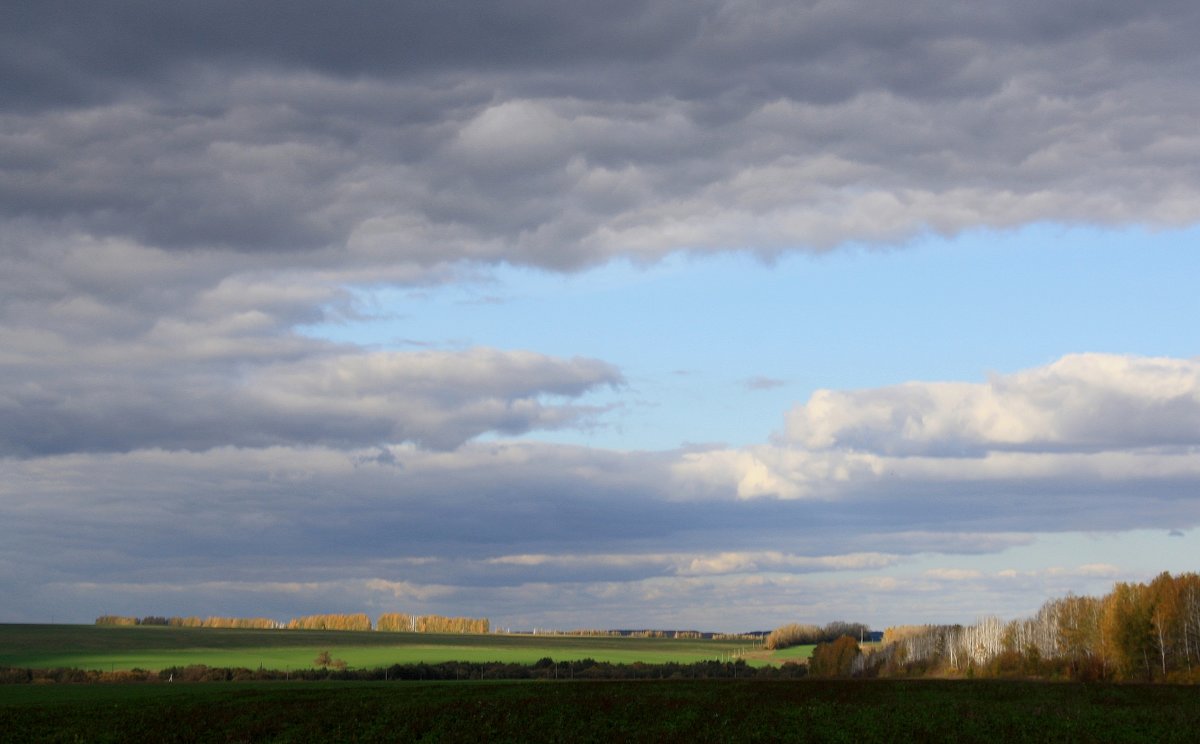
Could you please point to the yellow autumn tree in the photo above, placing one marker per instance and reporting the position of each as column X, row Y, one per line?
column 358, row 621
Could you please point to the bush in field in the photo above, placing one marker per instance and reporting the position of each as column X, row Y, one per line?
column 325, row 661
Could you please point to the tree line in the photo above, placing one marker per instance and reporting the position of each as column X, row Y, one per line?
column 648, row 633
column 1136, row 632
column 191, row 622
column 543, row 669
column 394, row 621
column 401, row 622
column 796, row 634
column 356, row 621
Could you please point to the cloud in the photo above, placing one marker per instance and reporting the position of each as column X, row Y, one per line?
column 953, row 574
column 496, row 528
column 694, row 564
column 763, row 383
column 507, row 512
column 1082, row 403
column 394, row 138
column 1099, row 569
column 946, row 541
column 122, row 396
column 736, row 602
column 180, row 188
column 113, row 345
column 1089, row 442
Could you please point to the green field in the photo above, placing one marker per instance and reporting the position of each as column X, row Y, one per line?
column 158, row 647
column 673, row 710
column 792, row 653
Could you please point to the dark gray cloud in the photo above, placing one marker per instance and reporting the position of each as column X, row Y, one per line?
column 84, row 401
column 560, row 135
column 63, row 48
column 492, row 522
column 76, row 49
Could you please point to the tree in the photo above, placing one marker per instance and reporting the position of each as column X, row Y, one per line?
column 1080, row 636
column 1166, row 617
column 323, row 660
column 834, row 659
column 1189, row 612
column 357, row 621
column 1128, row 627
column 792, row 634
column 401, row 622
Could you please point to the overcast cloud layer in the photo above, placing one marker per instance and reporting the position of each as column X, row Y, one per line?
column 184, row 185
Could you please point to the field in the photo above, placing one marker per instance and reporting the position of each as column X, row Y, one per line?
column 671, row 710
column 156, row 647
column 651, row 710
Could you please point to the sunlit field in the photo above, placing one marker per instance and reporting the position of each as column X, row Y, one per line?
column 109, row 648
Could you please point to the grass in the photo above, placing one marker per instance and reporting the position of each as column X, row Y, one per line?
column 157, row 647
column 791, row 653
column 671, row 710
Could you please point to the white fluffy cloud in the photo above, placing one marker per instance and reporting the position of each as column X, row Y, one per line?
column 1082, row 402
column 1089, row 432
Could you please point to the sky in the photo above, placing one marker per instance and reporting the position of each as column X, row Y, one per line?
column 713, row 315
